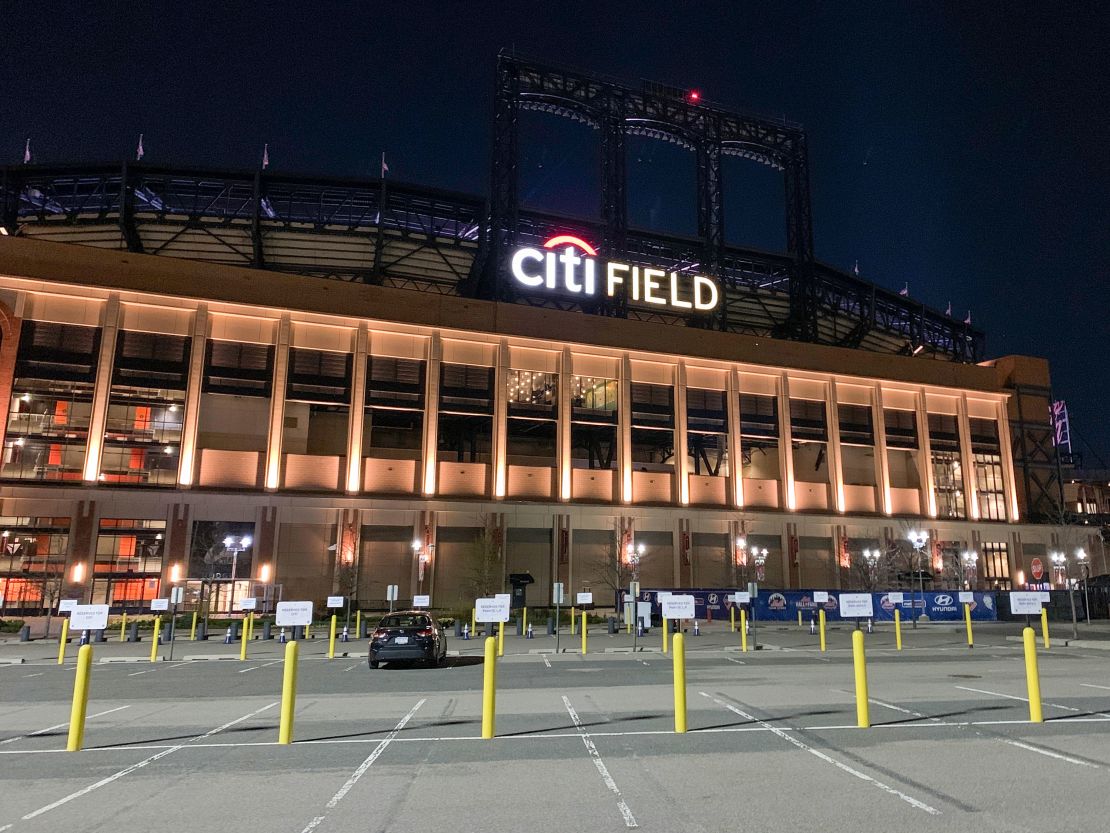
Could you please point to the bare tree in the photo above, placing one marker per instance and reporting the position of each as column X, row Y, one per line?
column 483, row 565
column 614, row 573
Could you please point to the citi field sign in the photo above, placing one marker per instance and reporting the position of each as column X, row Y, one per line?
column 570, row 264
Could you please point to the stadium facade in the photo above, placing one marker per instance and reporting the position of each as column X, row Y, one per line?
column 365, row 378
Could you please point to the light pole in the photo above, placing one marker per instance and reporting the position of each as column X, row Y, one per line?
column 235, row 544
column 759, row 556
column 918, row 539
column 1060, row 569
column 1085, row 566
column 740, row 560
column 970, row 559
column 871, row 557
column 423, row 556
column 634, row 554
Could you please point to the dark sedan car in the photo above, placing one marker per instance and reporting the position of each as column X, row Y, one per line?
column 408, row 635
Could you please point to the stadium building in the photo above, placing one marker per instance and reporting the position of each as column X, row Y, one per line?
column 275, row 385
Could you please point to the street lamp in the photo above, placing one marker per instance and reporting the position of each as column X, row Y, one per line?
column 740, row 558
column 918, row 539
column 235, row 544
column 872, row 558
column 970, row 559
column 423, row 556
column 1085, row 566
column 1060, row 568
column 1059, row 565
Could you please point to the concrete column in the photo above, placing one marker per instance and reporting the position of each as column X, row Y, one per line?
column 357, row 414
column 967, row 459
column 792, row 570
column 10, row 325
column 836, row 466
column 681, row 458
column 177, row 539
column 882, row 462
column 431, row 412
column 735, row 450
column 277, row 403
column 109, row 330
column 347, row 527
column 83, row 529
column 624, row 429
column 786, row 451
column 186, row 472
column 925, row 459
column 500, row 419
column 564, row 447
column 1006, row 451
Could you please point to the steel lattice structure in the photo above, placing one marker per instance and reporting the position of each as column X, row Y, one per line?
column 430, row 240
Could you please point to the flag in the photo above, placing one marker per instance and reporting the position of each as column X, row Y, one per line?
column 385, row 167
column 948, row 311
column 139, row 152
column 265, row 156
column 855, row 269
column 968, row 319
column 905, row 290
column 27, row 153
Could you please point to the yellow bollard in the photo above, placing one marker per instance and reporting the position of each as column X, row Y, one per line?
column 666, row 635
column 821, row 623
column 1044, row 627
column 583, row 633
column 1032, row 676
column 473, row 619
column 250, row 626
column 732, row 619
column 123, row 627
column 288, row 693
column 154, row 639
column 898, row 629
column 331, row 639
column 743, row 630
column 193, row 628
column 500, row 639
column 524, row 622
column 799, row 618
column 62, row 641
column 358, row 623
column 489, row 689
column 80, row 700
column 967, row 621
column 863, row 718
column 573, row 623
column 679, row 683
column 243, row 641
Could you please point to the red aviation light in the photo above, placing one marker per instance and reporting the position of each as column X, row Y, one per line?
column 693, row 96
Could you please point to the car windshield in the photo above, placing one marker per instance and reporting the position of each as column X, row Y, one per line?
column 412, row 620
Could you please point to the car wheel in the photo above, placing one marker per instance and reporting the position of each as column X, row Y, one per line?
column 373, row 663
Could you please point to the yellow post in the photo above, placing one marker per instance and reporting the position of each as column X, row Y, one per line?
column 193, row 628
column 358, row 623
column 288, row 693
column 250, row 625
column 573, row 623
column 743, row 630
column 473, row 619
column 1044, row 627
column 732, row 619
column 243, row 641
column 863, row 718
column 524, row 621
column 308, row 631
column 154, row 639
column 331, row 639
column 500, row 639
column 821, row 623
column 583, row 633
column 799, row 618
column 123, row 626
column 898, row 628
column 679, row 683
column 666, row 635
column 1032, row 676
column 489, row 689
column 967, row 621
column 80, row 699
column 62, row 641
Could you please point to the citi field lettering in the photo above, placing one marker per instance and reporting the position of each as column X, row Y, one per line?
column 578, row 273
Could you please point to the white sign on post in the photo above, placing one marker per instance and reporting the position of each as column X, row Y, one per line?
column 678, row 607
column 895, row 598
column 643, row 613
column 558, row 594
column 966, row 597
column 856, row 605
column 634, row 589
column 336, row 601
column 820, row 597
column 89, row 618
column 293, row 614
column 391, row 593
column 248, row 603
column 1025, row 603
column 177, row 595
column 67, row 605
column 742, row 597
column 1046, row 596
column 159, row 604
column 585, row 598
column 491, row 610
column 421, row 601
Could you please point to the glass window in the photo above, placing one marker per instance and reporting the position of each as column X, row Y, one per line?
column 593, row 430
column 235, row 403
column 653, row 421
column 32, row 563
column 759, row 436
column 393, row 426
column 465, row 413
column 996, row 565
column 809, row 433
column 857, row 445
column 318, row 398
column 944, row 439
column 986, row 454
column 533, row 417
column 128, row 567
column 707, row 432
column 901, row 428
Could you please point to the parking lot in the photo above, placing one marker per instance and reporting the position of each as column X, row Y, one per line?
column 583, row 742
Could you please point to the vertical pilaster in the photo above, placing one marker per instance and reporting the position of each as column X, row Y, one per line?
column 83, row 529
column 564, row 448
column 277, row 402
column 786, row 445
column 735, row 450
column 109, row 330
column 347, row 527
column 186, row 471
column 264, row 547
column 925, row 460
column 431, row 412
column 10, row 326
column 681, row 457
column 882, row 462
column 836, row 457
column 624, row 428
column 791, row 569
column 177, row 540
column 1006, row 451
column 356, row 416
column 500, row 418
column 967, row 459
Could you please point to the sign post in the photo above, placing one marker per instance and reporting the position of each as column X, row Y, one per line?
column 857, row 606
column 558, row 596
column 391, row 595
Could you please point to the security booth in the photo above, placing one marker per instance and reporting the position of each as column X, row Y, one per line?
column 519, row 582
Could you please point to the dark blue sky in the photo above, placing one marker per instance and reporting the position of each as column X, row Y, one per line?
column 963, row 148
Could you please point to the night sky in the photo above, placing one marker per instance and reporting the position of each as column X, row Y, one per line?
column 962, row 148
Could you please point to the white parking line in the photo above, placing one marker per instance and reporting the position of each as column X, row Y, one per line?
column 59, row 726
column 264, row 665
column 738, row 662
column 913, row 802
column 1026, row 699
column 1058, row 756
column 361, row 770
column 1092, row 685
column 546, row 661
column 128, row 770
column 602, row 770
column 34, row 675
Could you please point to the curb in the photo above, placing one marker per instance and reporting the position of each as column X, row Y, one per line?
column 12, row 661
column 111, row 660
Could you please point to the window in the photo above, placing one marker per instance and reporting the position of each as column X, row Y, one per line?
column 707, row 432
column 901, row 448
column 393, row 426
column 759, row 436
column 318, row 398
column 593, row 427
column 986, row 455
column 901, row 428
column 533, row 417
column 810, row 434
column 51, row 402
column 235, row 403
column 128, row 566
column 857, row 445
column 996, row 565
column 465, row 413
column 652, row 427
column 944, row 439
column 32, row 563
